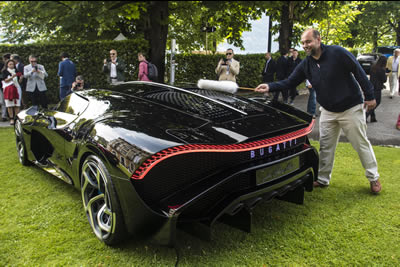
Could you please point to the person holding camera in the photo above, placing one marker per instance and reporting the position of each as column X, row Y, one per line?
column 114, row 68
column 35, row 85
column 79, row 84
column 227, row 69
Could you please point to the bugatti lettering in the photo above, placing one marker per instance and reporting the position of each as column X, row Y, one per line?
column 271, row 149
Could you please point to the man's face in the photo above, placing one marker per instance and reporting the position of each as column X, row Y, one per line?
column 229, row 54
column 295, row 54
column 310, row 44
column 33, row 61
column 267, row 56
column 396, row 53
column 113, row 54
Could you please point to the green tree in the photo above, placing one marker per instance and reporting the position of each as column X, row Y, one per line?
column 334, row 26
column 289, row 15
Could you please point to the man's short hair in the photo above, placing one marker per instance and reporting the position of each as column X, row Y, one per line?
column 16, row 57
column 7, row 55
column 79, row 78
column 64, row 55
column 314, row 32
column 230, row 49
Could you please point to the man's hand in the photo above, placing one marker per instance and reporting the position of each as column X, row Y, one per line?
column 370, row 105
column 262, row 88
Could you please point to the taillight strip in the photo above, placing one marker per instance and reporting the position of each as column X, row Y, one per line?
column 183, row 149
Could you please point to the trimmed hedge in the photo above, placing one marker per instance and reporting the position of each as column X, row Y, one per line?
column 192, row 67
column 87, row 56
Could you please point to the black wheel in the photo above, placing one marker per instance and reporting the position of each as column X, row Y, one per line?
column 21, row 148
column 100, row 202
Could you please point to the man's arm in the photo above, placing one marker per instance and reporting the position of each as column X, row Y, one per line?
column 60, row 69
column 235, row 67
column 297, row 77
column 351, row 62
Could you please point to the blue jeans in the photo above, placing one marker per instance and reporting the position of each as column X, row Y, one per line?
column 64, row 91
column 312, row 101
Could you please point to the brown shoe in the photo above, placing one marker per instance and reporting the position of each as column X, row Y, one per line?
column 318, row 184
column 376, row 187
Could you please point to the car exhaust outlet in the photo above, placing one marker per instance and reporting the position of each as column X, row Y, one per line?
column 253, row 202
column 236, row 209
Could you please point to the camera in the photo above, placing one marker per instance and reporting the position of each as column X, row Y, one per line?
column 78, row 85
column 36, row 68
column 224, row 59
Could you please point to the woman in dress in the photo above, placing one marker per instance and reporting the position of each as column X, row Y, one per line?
column 11, row 89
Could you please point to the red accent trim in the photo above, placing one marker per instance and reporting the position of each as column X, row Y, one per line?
column 178, row 150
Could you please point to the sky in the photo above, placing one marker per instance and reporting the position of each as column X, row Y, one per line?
column 255, row 41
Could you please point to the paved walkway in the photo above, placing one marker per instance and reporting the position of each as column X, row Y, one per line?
column 383, row 132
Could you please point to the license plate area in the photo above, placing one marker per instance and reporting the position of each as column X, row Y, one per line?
column 277, row 171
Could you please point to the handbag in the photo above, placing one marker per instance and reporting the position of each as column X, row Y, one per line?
column 398, row 123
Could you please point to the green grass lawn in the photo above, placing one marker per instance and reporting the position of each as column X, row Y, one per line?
column 42, row 223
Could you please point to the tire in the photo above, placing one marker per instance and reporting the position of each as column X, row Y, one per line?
column 20, row 143
column 100, row 202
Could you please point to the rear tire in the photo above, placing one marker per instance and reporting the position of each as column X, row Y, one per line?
column 101, row 203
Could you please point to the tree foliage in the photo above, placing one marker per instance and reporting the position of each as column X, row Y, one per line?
column 289, row 15
column 67, row 20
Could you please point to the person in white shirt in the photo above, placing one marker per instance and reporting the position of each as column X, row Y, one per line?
column 114, row 68
column 393, row 65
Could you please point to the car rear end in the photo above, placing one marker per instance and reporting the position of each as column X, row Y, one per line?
column 241, row 153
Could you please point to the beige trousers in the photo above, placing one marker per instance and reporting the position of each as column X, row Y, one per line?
column 354, row 126
column 393, row 83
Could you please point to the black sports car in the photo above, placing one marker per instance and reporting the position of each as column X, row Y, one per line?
column 149, row 157
column 367, row 60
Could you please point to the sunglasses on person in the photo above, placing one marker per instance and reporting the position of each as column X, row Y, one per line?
column 33, row 61
column 228, row 54
column 112, row 54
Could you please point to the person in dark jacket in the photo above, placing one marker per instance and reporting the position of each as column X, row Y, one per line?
column 336, row 76
column 294, row 60
column 378, row 78
column 269, row 69
column 67, row 73
column 282, row 67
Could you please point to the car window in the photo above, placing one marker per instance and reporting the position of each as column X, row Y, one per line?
column 73, row 104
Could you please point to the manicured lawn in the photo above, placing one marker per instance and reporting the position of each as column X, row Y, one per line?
column 42, row 223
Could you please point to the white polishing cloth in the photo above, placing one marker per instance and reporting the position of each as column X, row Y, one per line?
column 222, row 86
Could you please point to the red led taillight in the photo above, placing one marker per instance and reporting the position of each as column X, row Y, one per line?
column 173, row 151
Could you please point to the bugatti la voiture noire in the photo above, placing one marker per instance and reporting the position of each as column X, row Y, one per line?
column 150, row 158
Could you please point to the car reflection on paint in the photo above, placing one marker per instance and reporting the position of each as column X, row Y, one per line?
column 149, row 158
column 367, row 60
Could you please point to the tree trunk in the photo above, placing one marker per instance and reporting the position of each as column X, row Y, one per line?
column 156, row 33
column 397, row 29
column 286, row 28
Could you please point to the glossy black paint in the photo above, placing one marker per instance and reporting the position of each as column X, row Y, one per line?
column 128, row 124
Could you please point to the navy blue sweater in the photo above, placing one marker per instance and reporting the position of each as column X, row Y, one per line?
column 336, row 77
